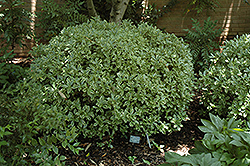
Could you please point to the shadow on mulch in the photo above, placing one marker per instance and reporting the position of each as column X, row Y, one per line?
column 119, row 154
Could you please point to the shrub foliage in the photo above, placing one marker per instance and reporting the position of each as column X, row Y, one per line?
column 92, row 80
column 226, row 83
column 102, row 77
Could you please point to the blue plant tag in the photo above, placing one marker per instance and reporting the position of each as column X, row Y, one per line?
column 134, row 139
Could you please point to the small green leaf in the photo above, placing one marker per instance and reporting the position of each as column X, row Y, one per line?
column 205, row 129
column 71, row 148
column 209, row 125
column 38, row 161
column 65, row 143
column 79, row 148
column 3, row 143
column 236, row 143
column 67, row 133
column 57, row 161
column 146, row 161
column 62, row 95
column 62, row 158
column 34, row 142
column 217, row 122
column 248, row 125
column 53, row 138
column 7, row 133
column 228, row 158
column 199, row 148
column 41, row 141
column 76, row 144
column 230, row 123
column 49, row 141
column 55, row 149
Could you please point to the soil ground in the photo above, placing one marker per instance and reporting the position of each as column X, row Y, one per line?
column 118, row 155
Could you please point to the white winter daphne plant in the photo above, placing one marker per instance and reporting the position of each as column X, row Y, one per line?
column 103, row 77
column 96, row 79
column 225, row 85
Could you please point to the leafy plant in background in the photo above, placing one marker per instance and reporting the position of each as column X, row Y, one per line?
column 203, row 41
column 246, row 1
column 53, row 17
column 133, row 11
column 9, row 72
column 200, row 5
column 14, row 29
column 224, row 144
column 151, row 14
column 14, row 24
column 18, row 119
column 225, row 84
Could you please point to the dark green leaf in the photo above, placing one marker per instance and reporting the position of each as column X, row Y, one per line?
column 65, row 143
column 41, row 141
column 55, row 149
column 217, row 122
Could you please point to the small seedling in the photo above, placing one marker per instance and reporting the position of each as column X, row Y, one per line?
column 160, row 148
column 132, row 159
column 156, row 145
column 146, row 162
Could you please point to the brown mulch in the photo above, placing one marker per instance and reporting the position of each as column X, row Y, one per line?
column 118, row 154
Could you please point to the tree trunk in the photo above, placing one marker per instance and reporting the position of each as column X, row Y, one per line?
column 91, row 8
column 118, row 9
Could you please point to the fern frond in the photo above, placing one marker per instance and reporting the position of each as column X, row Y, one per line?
column 202, row 42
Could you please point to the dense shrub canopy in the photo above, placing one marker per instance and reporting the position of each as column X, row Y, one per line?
column 102, row 77
column 226, row 83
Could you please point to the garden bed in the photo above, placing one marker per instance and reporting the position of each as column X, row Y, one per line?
column 180, row 142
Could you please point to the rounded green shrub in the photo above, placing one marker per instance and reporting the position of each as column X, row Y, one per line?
column 225, row 85
column 101, row 77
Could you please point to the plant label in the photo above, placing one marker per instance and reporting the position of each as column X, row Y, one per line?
column 134, row 139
